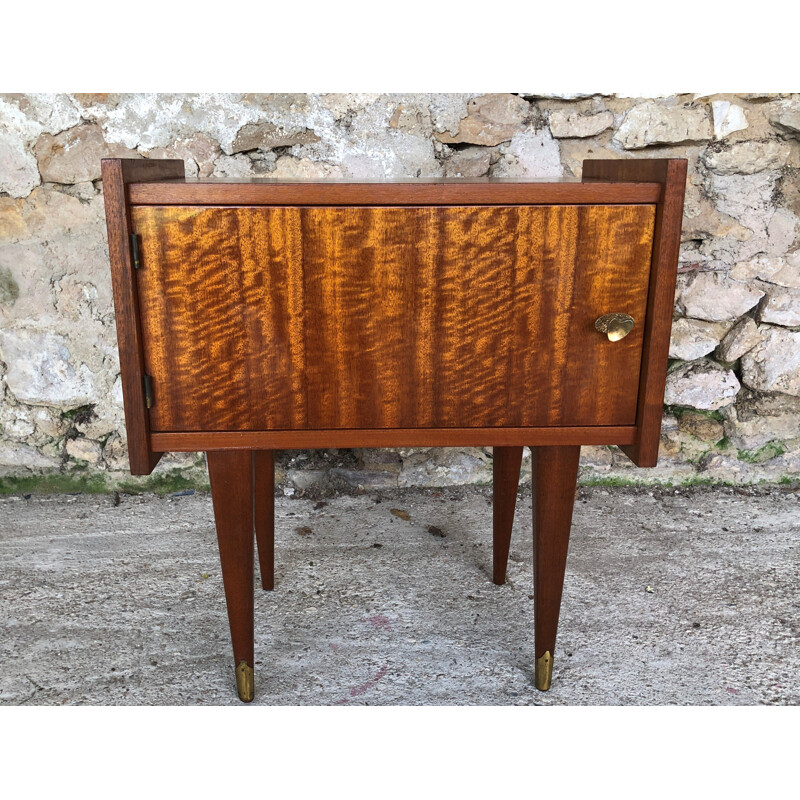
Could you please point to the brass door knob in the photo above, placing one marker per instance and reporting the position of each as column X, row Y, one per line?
column 615, row 326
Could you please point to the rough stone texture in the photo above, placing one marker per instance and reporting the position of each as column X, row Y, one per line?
column 750, row 201
column 198, row 153
column 772, row 269
column 18, row 172
column 739, row 340
column 373, row 609
column 42, row 371
column 773, row 365
column 445, row 466
column 572, row 125
column 712, row 296
column 693, row 338
column 74, row 155
column 265, row 136
column 84, row 450
column 701, row 426
column 60, row 398
column 13, row 454
column 780, row 306
column 701, row 384
column 532, row 154
column 652, row 123
column 491, row 119
column 470, row 162
column 747, row 158
column 756, row 420
column 787, row 117
column 728, row 118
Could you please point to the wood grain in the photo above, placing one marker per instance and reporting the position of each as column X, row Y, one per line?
column 554, row 472
column 671, row 173
column 231, row 476
column 505, row 480
column 343, row 318
column 391, row 437
column 264, row 514
column 436, row 191
column 116, row 175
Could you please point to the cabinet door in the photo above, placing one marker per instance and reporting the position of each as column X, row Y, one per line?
column 268, row 318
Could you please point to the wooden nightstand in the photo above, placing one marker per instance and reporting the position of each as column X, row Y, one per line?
column 255, row 315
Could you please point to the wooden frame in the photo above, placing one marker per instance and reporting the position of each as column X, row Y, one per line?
column 393, row 437
column 453, row 191
column 117, row 175
column 241, row 466
column 671, row 174
column 130, row 182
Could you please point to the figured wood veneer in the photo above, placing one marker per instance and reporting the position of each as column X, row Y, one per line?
column 428, row 317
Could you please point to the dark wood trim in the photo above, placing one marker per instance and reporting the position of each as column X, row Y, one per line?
column 554, row 471
column 188, row 442
column 231, row 477
column 505, row 484
column 116, row 174
column 241, row 193
column 264, row 514
column 671, row 173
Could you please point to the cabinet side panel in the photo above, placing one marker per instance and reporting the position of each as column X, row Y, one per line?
column 671, row 174
column 126, row 313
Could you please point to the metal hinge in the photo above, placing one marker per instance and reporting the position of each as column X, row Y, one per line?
column 148, row 391
column 135, row 254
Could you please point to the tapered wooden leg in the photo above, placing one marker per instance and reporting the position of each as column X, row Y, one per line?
column 554, row 474
column 231, row 475
column 264, row 512
column 506, row 464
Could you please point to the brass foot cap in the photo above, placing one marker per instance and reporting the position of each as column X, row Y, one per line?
column 245, row 684
column 544, row 671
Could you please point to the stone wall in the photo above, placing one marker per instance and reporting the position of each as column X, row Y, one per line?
column 733, row 394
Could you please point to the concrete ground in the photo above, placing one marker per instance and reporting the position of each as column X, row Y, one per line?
column 672, row 597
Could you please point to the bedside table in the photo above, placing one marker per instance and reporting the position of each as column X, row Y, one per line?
column 261, row 315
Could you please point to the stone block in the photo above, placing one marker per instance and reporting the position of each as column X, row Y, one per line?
column 446, row 466
column 758, row 419
column 42, row 371
column 491, row 119
column 469, row 162
column 15, row 457
column 773, row 365
column 772, row 269
column 19, row 174
column 84, row 450
column 786, row 117
column 702, row 384
column 701, row 426
column 265, row 136
column 739, row 340
column 714, row 297
column 572, row 125
column 728, row 118
column 746, row 158
column 780, row 306
column 694, row 338
column 532, row 154
column 652, row 123
column 74, row 155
